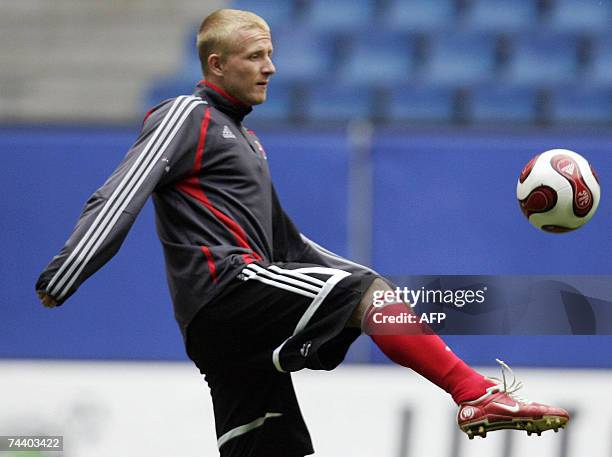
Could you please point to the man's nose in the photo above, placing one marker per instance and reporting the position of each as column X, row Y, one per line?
column 269, row 68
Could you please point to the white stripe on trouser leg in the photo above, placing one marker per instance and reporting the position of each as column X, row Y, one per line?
column 335, row 278
column 241, row 430
column 99, row 238
column 276, row 356
column 300, row 276
column 263, row 272
column 118, row 200
column 250, row 274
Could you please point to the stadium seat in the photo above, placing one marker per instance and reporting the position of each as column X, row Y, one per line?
column 278, row 106
column 502, row 104
column 420, row 104
column 543, row 59
column 502, row 15
column 275, row 12
column 183, row 81
column 190, row 68
column 459, row 58
column 378, row 58
column 340, row 15
column 581, row 105
column 418, row 15
column 338, row 103
column 165, row 88
column 581, row 16
column 600, row 71
column 190, row 61
column 302, row 55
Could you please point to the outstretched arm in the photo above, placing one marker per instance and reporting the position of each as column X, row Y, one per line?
column 167, row 135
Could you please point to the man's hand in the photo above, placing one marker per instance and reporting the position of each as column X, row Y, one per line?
column 47, row 300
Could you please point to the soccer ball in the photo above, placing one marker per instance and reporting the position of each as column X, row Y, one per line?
column 558, row 191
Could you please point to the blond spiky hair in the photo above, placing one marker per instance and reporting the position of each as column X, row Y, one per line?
column 218, row 32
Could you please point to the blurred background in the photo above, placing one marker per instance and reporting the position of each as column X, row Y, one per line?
column 395, row 132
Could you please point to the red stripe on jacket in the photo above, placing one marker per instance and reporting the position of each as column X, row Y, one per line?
column 223, row 93
column 191, row 186
column 146, row 116
column 211, row 263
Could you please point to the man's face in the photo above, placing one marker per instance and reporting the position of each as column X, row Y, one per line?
column 247, row 70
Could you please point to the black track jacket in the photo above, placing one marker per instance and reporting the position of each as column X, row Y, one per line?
column 216, row 207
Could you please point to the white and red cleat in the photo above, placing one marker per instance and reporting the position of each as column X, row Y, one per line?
column 500, row 408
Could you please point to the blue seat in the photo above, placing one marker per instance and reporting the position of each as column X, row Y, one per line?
column 501, row 104
column 190, row 66
column 581, row 105
column 378, row 58
column 419, row 15
column 543, row 60
column 302, row 55
column 502, row 15
column 278, row 106
column 338, row 103
column 420, row 103
column 275, row 12
column 340, row 15
column 164, row 88
column 582, row 16
column 600, row 71
column 459, row 58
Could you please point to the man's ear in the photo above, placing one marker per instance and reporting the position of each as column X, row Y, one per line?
column 215, row 65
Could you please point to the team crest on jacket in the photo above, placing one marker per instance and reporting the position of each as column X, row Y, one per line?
column 261, row 149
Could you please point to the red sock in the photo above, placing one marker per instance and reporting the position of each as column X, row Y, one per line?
column 429, row 356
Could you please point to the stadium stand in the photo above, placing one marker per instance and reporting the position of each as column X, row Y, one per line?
column 585, row 105
column 378, row 58
column 501, row 15
column 415, row 103
column 301, row 56
column 277, row 12
column 112, row 60
column 459, row 58
column 330, row 103
column 86, row 61
column 499, row 104
column 419, row 15
column 543, row 59
column 580, row 16
column 339, row 15
column 279, row 106
column 599, row 72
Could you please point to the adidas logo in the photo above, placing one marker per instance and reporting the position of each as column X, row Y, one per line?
column 227, row 133
column 569, row 169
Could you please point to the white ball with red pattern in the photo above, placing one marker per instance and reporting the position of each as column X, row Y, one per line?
column 558, row 191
